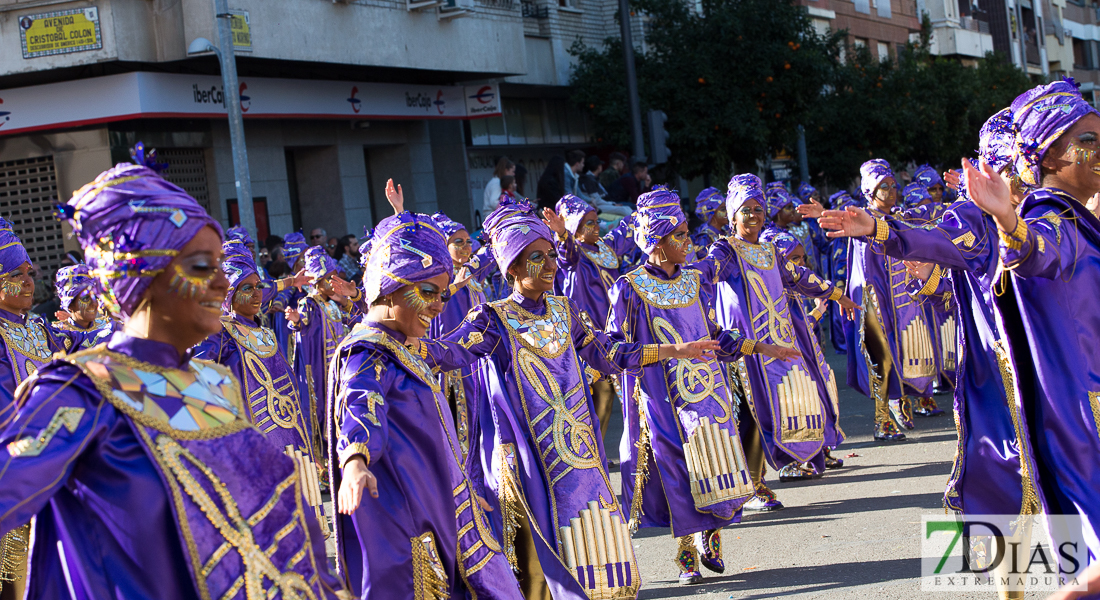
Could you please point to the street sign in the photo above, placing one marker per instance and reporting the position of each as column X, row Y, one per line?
column 60, row 32
column 241, row 28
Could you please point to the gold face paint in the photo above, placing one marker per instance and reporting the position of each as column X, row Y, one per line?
column 1084, row 155
column 414, row 300
column 245, row 294
column 419, row 297
column 590, row 228
column 679, row 241
column 189, row 286
column 535, row 263
column 12, row 288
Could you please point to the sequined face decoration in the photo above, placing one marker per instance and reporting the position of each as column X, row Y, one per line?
column 82, row 302
column 589, row 230
column 1083, row 155
column 11, row 288
column 679, row 241
column 245, row 293
column 195, row 283
column 535, row 264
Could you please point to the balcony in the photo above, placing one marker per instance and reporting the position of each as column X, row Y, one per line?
column 969, row 38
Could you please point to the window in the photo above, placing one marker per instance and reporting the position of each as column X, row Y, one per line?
column 863, row 6
column 1080, row 54
column 531, row 121
column 883, row 51
column 883, row 7
column 859, row 43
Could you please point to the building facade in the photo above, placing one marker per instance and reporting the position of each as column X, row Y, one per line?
column 338, row 96
column 881, row 26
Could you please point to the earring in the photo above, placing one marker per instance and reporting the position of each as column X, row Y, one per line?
column 188, row 286
column 664, row 257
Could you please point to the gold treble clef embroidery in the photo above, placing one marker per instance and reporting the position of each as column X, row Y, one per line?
column 574, row 440
column 779, row 327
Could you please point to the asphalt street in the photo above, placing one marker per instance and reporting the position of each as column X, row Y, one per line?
column 854, row 533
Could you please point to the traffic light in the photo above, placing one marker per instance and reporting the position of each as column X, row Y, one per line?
column 658, row 137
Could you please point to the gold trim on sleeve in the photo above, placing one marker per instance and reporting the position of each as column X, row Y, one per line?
column 649, row 354
column 66, row 416
column 748, row 346
column 1015, row 239
column 882, row 231
column 836, row 294
column 352, row 450
column 933, row 282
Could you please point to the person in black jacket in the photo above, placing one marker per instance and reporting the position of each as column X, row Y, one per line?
column 552, row 183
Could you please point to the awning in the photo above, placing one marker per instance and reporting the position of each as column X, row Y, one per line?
column 165, row 95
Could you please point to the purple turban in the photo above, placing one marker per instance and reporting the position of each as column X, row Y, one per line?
column 1040, row 116
column 572, row 209
column 743, row 188
column 872, row 173
column 508, row 207
column 927, row 176
column 708, row 202
column 294, row 244
column 319, row 263
column 446, row 225
column 12, row 252
column 997, row 140
column 841, row 199
column 240, row 234
column 512, row 233
column 407, row 248
column 237, row 264
column 778, row 197
column 131, row 224
column 659, row 214
column 784, row 242
column 365, row 247
column 71, row 283
column 915, row 194
column 805, row 190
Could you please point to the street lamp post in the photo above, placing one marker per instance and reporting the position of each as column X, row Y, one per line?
column 631, row 82
column 232, row 95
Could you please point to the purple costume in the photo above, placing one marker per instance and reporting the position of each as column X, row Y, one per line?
column 147, row 478
column 590, row 270
column 28, row 341
column 707, row 203
column 320, row 328
column 269, row 384
column 425, row 537
column 752, row 291
column 294, row 245
column 802, row 322
column 752, row 283
column 72, row 283
column 545, row 459
column 838, row 273
column 990, row 475
column 462, row 387
column 898, row 359
column 1049, row 314
column 680, row 432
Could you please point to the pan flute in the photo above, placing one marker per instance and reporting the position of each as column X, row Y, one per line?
column 716, row 465
column 311, row 484
column 949, row 343
column 800, row 407
column 917, row 351
column 596, row 547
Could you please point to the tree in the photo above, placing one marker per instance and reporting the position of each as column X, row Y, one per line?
column 735, row 80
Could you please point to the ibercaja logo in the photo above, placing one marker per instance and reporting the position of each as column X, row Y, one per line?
column 1004, row 553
